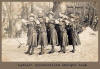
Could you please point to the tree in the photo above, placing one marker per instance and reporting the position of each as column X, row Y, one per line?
column 59, row 6
column 10, row 31
column 24, row 11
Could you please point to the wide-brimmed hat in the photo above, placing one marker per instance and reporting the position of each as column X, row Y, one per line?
column 61, row 15
column 72, row 19
column 32, row 15
column 60, row 19
column 66, row 17
column 51, row 13
column 72, row 15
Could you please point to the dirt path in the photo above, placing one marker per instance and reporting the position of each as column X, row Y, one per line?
column 87, row 52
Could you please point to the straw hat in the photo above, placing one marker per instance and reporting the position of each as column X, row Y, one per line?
column 32, row 15
column 72, row 19
column 51, row 13
column 72, row 15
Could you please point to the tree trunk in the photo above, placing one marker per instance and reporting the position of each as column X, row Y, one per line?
column 59, row 6
column 10, row 22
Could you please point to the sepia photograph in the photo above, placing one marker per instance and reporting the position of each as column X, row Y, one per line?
column 55, row 31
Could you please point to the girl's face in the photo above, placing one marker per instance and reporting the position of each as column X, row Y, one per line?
column 60, row 19
column 41, row 20
column 50, row 16
column 31, row 19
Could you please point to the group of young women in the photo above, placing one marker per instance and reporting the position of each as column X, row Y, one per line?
column 51, row 33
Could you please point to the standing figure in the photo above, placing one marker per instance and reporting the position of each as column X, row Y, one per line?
column 32, row 36
column 72, row 36
column 57, row 27
column 64, row 37
column 49, row 17
column 95, row 23
column 42, row 35
column 53, row 36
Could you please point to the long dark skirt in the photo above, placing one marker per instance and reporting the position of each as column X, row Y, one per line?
column 73, row 37
column 58, row 33
column 43, row 39
column 76, row 38
column 32, row 40
column 48, row 36
column 64, row 37
column 48, row 32
column 54, row 37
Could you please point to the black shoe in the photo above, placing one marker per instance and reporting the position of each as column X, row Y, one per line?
column 72, row 51
column 41, row 53
column 60, row 51
column 30, row 53
column 26, row 52
column 57, row 44
column 64, row 52
column 52, row 51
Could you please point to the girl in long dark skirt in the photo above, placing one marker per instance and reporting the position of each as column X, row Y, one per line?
column 31, row 35
column 53, row 36
column 73, row 36
column 64, row 37
column 42, row 36
column 32, row 39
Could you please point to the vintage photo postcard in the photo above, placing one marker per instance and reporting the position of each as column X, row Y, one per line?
column 47, row 34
